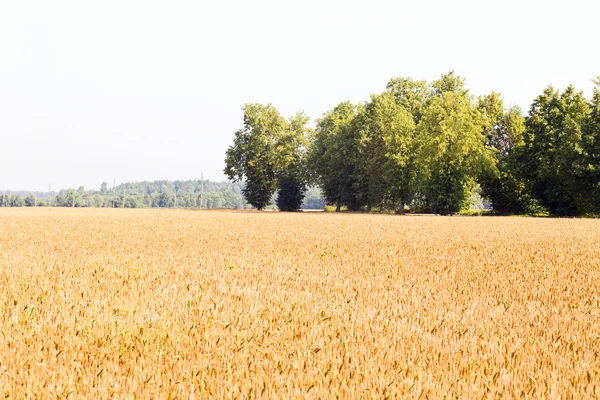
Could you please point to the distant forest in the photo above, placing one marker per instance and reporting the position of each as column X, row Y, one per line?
column 156, row 194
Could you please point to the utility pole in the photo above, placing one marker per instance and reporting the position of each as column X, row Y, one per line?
column 201, row 188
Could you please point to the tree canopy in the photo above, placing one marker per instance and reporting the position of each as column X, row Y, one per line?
column 429, row 146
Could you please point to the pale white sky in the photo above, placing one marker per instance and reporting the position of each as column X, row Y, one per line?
column 145, row 90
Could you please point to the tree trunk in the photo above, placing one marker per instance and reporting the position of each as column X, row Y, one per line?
column 338, row 205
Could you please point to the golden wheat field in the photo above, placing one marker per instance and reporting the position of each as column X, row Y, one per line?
column 215, row 304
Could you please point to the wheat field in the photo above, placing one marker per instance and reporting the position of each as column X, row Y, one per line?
column 219, row 304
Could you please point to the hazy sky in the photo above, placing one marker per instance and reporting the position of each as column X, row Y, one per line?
column 145, row 90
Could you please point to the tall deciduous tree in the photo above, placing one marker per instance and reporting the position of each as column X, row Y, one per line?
column 292, row 171
column 387, row 129
column 30, row 201
column 591, row 143
column 334, row 156
column 503, row 130
column 553, row 149
column 451, row 151
column 254, row 157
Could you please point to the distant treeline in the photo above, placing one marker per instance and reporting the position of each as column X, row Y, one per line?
column 427, row 146
column 163, row 194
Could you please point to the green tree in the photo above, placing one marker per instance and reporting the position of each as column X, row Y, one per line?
column 253, row 157
column 591, row 144
column 292, row 171
column 503, row 129
column 232, row 200
column 291, row 194
column 30, row 201
column 553, row 159
column 451, row 151
column 165, row 199
column 387, row 130
column 15, row 201
column 69, row 198
column 334, row 156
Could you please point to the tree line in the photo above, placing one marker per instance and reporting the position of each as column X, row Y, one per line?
column 163, row 194
column 155, row 194
column 426, row 147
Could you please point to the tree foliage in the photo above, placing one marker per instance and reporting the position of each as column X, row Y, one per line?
column 387, row 129
column 256, row 153
column 451, row 152
column 553, row 149
column 431, row 146
column 292, row 172
column 334, row 155
column 591, row 148
column 502, row 184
